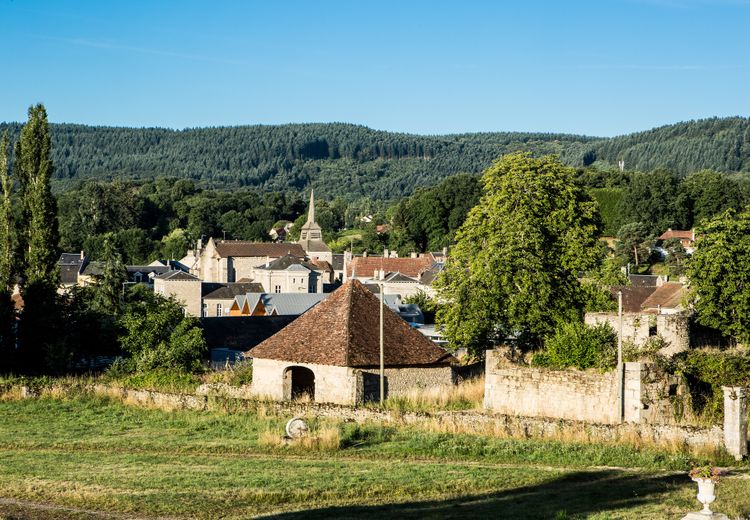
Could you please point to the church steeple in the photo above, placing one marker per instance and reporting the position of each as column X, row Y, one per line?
column 311, row 236
column 311, row 209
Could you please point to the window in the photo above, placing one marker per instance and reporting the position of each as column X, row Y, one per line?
column 219, row 310
column 138, row 277
column 277, row 288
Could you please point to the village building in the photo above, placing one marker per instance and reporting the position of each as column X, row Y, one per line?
column 290, row 274
column 403, row 276
column 686, row 238
column 71, row 266
column 217, row 298
column 311, row 237
column 331, row 353
column 184, row 287
column 227, row 261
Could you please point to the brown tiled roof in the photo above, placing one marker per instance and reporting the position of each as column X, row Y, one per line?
column 632, row 296
column 668, row 296
column 365, row 267
column 322, row 264
column 676, row 233
column 240, row 248
column 343, row 330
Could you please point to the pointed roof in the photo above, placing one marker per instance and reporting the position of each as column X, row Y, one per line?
column 311, row 235
column 343, row 330
column 311, row 209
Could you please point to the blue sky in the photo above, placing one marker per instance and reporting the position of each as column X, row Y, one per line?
column 603, row 67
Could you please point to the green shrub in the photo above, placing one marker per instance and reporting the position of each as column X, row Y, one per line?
column 706, row 371
column 579, row 345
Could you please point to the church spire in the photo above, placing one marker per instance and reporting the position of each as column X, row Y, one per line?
column 311, row 209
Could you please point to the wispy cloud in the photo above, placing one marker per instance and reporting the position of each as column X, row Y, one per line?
column 109, row 45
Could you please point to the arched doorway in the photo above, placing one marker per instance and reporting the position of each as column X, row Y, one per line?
column 299, row 383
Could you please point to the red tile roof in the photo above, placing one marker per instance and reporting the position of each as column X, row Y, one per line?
column 344, row 330
column 241, row 248
column 668, row 296
column 366, row 267
column 676, row 233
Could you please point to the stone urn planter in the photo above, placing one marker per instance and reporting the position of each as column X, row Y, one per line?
column 706, row 495
column 706, row 477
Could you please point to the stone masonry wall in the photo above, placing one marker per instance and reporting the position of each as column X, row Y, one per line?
column 399, row 381
column 537, row 392
column 635, row 326
column 332, row 384
column 578, row 395
column 216, row 397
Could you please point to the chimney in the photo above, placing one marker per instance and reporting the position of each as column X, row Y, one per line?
column 413, row 254
column 199, row 245
column 445, row 251
column 83, row 255
column 364, row 254
column 382, row 274
column 385, row 253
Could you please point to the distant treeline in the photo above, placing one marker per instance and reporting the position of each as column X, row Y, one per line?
column 354, row 161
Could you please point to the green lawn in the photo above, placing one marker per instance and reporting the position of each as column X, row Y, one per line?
column 91, row 458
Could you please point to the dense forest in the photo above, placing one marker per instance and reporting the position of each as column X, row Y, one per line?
column 353, row 161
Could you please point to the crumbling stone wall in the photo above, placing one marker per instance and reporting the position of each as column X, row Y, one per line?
column 579, row 395
column 635, row 326
column 675, row 329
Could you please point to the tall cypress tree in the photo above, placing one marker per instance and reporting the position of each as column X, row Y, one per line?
column 7, row 312
column 41, row 324
column 40, row 235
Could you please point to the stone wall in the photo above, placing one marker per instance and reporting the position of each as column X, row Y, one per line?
column 635, row 326
column 219, row 397
column 579, row 395
column 675, row 329
column 332, row 384
column 400, row 381
column 538, row 392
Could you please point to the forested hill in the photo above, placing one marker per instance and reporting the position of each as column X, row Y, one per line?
column 721, row 144
column 354, row 161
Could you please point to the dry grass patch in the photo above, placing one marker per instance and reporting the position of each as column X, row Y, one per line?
column 467, row 395
column 324, row 438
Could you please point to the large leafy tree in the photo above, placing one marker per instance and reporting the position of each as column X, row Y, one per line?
column 719, row 272
column 514, row 269
column 634, row 242
column 710, row 193
column 656, row 200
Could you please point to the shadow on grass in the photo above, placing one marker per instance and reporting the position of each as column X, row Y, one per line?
column 574, row 495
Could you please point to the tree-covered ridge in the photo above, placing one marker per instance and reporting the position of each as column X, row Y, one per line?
column 335, row 159
column 721, row 144
column 354, row 161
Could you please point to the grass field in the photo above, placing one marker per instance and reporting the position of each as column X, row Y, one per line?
column 94, row 458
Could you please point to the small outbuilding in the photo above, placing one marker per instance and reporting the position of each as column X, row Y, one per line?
column 332, row 353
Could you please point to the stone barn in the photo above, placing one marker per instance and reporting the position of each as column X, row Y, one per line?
column 332, row 353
